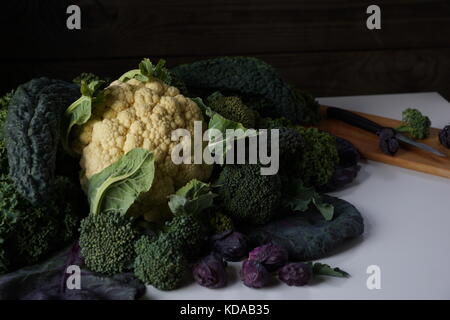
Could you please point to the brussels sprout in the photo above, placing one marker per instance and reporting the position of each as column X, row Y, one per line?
column 210, row 272
column 254, row 274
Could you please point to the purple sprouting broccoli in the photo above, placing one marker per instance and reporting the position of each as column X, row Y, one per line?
column 444, row 136
column 271, row 256
column 211, row 272
column 232, row 245
column 254, row 274
column 388, row 142
column 295, row 274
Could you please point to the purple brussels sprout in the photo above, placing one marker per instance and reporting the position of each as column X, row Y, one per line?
column 272, row 256
column 254, row 274
column 444, row 136
column 388, row 142
column 210, row 272
column 232, row 245
column 295, row 274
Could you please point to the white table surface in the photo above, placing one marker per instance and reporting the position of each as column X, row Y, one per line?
column 407, row 226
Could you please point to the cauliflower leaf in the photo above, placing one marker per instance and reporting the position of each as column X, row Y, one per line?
column 117, row 186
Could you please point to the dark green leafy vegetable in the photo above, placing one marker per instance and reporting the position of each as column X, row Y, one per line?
column 245, row 76
column 107, row 242
column 33, row 134
column 307, row 236
column 117, row 186
column 29, row 233
column 47, row 280
column 4, row 103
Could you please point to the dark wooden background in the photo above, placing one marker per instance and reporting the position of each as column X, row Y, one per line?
column 322, row 46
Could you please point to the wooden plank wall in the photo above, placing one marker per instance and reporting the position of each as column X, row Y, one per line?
column 322, row 46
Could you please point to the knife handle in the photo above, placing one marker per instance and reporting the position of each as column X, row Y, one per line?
column 353, row 119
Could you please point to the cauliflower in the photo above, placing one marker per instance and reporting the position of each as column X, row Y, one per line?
column 138, row 114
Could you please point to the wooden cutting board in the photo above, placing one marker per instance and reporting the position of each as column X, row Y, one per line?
column 407, row 157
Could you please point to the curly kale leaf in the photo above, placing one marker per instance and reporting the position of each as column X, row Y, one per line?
column 33, row 133
column 29, row 233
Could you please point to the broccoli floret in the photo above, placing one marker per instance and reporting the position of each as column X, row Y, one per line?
column 28, row 232
column 273, row 123
column 159, row 262
column 232, row 108
column 188, row 234
column 415, row 123
column 220, row 222
column 319, row 157
column 249, row 77
column 248, row 196
column 107, row 242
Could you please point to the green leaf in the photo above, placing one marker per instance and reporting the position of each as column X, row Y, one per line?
column 147, row 70
column 80, row 111
column 117, row 186
column 299, row 197
column 129, row 75
column 325, row 270
column 222, row 124
column 192, row 199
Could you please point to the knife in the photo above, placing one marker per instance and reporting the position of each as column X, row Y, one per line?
column 368, row 125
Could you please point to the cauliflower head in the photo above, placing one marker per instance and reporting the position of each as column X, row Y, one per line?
column 138, row 114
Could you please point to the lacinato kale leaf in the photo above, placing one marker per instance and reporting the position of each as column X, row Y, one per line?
column 246, row 76
column 32, row 135
column 307, row 236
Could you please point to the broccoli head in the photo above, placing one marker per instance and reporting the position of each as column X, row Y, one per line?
column 220, row 223
column 159, row 262
column 415, row 123
column 273, row 123
column 232, row 108
column 107, row 242
column 319, row 157
column 188, row 234
column 248, row 196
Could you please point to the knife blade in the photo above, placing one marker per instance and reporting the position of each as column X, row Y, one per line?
column 368, row 125
column 419, row 145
